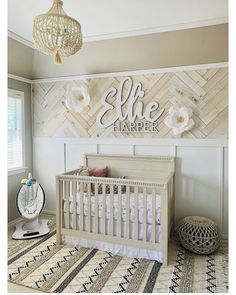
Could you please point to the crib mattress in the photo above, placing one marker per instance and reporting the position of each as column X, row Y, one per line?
column 115, row 207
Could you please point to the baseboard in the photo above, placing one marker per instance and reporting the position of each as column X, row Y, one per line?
column 19, row 219
column 15, row 221
column 50, row 212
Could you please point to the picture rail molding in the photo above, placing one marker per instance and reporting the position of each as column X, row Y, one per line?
column 121, row 74
column 178, row 142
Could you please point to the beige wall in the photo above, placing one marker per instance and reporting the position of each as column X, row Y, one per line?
column 184, row 47
column 14, row 180
column 177, row 48
column 20, row 59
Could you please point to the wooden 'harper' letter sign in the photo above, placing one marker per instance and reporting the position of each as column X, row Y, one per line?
column 123, row 108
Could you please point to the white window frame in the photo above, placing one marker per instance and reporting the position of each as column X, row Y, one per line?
column 19, row 95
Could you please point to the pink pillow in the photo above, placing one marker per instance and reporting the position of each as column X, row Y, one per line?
column 98, row 172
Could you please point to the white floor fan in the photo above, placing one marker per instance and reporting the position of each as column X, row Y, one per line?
column 30, row 201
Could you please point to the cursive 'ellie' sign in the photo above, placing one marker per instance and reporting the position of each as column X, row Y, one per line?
column 124, row 109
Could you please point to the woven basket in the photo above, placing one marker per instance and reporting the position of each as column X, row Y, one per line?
column 198, row 234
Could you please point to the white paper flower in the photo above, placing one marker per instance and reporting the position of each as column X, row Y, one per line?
column 77, row 98
column 179, row 120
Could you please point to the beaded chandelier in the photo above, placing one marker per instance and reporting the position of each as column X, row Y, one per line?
column 55, row 33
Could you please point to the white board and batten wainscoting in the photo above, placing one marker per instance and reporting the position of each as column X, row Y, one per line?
column 61, row 138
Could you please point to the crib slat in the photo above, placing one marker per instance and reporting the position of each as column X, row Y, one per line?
column 136, row 213
column 153, row 216
column 89, row 205
column 103, row 208
column 81, row 206
column 127, row 212
column 111, row 210
column 67, row 192
column 63, row 218
column 59, row 209
column 144, row 214
column 74, row 193
column 61, row 189
column 63, row 198
column 96, row 208
column 119, row 210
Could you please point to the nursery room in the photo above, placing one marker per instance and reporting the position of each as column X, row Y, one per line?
column 117, row 146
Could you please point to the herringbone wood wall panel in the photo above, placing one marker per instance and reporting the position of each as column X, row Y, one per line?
column 205, row 91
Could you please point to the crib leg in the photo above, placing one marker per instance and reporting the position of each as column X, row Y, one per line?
column 165, row 260
column 58, row 214
column 59, row 238
column 164, row 225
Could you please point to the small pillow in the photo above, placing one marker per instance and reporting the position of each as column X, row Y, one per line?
column 83, row 171
column 98, row 172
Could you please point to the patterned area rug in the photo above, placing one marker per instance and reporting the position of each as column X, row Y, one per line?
column 41, row 264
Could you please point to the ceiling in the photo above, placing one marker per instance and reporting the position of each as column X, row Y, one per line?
column 106, row 19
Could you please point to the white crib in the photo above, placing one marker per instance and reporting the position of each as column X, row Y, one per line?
column 139, row 215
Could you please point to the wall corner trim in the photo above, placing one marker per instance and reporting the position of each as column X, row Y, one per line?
column 137, row 32
column 19, row 78
column 20, row 39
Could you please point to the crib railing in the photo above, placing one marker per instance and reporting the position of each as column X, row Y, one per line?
column 69, row 185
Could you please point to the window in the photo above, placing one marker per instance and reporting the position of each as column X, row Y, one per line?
column 15, row 130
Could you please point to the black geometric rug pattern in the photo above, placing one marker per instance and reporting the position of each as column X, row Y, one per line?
column 42, row 265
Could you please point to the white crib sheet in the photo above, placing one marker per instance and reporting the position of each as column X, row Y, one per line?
column 115, row 207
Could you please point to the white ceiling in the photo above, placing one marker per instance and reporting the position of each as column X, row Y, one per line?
column 105, row 19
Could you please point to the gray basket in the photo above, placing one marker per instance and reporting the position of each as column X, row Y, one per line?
column 198, row 234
